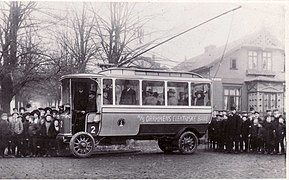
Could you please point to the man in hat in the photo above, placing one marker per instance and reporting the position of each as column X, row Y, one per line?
column 128, row 95
column 48, row 110
column 22, row 110
column 17, row 129
column 172, row 99
column 80, row 105
column 183, row 100
column 42, row 112
column 232, row 130
column 200, row 98
column 91, row 105
column 45, row 135
column 275, row 122
column 150, row 99
column 245, row 131
column 257, row 116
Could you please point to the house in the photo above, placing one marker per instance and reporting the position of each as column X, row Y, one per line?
column 251, row 72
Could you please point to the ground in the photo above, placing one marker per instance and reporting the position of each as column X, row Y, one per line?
column 147, row 161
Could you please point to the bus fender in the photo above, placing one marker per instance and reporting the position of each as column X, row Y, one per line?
column 187, row 129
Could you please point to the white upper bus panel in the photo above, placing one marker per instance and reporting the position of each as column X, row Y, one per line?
column 148, row 72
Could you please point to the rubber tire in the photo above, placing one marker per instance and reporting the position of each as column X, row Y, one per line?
column 73, row 141
column 190, row 134
column 165, row 146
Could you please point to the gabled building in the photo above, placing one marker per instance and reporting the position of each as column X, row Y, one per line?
column 251, row 72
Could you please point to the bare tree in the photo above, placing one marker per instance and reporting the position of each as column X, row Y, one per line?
column 121, row 34
column 78, row 46
column 23, row 59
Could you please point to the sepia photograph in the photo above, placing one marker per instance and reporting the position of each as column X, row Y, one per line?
column 143, row 89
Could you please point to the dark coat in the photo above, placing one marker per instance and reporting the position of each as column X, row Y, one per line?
column 34, row 129
column 47, row 134
column 52, row 132
column 254, row 131
column 25, row 132
column 269, row 132
column 245, row 128
column 91, row 105
column 219, row 130
column 233, row 127
column 5, row 131
column 80, row 101
column 128, row 97
column 280, row 131
column 212, row 129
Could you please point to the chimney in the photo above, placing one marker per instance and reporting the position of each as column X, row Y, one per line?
column 209, row 48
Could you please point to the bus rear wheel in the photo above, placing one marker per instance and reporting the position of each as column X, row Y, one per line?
column 82, row 144
column 166, row 146
column 187, row 143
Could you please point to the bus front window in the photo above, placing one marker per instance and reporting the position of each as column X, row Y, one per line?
column 65, row 95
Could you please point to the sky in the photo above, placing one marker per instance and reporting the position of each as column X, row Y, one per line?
column 170, row 18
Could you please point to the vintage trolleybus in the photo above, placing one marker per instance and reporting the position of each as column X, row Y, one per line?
column 115, row 105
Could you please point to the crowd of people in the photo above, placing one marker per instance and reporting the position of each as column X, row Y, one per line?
column 29, row 134
column 234, row 132
column 33, row 134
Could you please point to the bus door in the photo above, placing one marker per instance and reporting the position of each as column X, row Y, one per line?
column 85, row 104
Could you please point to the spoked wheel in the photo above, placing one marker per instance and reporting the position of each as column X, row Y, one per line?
column 165, row 146
column 187, row 143
column 82, row 144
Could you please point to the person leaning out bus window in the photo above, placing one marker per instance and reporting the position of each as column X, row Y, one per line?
column 128, row 95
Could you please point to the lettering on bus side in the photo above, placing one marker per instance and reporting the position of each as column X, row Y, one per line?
column 173, row 119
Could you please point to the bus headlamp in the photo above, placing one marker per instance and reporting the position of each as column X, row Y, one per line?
column 96, row 118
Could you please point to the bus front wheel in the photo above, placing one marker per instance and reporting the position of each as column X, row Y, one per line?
column 165, row 146
column 187, row 143
column 82, row 144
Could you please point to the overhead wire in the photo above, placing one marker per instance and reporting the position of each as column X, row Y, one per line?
column 225, row 48
column 177, row 35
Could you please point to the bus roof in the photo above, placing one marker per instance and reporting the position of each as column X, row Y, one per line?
column 130, row 73
column 148, row 72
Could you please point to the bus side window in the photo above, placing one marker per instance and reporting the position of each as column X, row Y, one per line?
column 177, row 94
column 153, row 92
column 127, row 92
column 107, row 91
column 200, row 95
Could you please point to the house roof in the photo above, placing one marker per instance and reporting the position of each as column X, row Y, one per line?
column 262, row 39
column 263, row 78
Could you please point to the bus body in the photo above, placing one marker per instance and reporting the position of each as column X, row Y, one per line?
column 171, row 107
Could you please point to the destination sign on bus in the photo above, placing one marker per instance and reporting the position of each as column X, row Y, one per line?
column 173, row 119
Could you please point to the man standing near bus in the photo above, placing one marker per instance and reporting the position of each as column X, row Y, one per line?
column 232, row 130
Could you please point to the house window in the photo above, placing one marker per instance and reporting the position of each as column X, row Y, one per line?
column 232, row 97
column 253, row 58
column 233, row 64
column 266, row 61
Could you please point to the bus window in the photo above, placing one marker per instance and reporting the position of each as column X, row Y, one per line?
column 177, row 93
column 65, row 93
column 127, row 92
column 153, row 92
column 107, row 91
column 201, row 95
